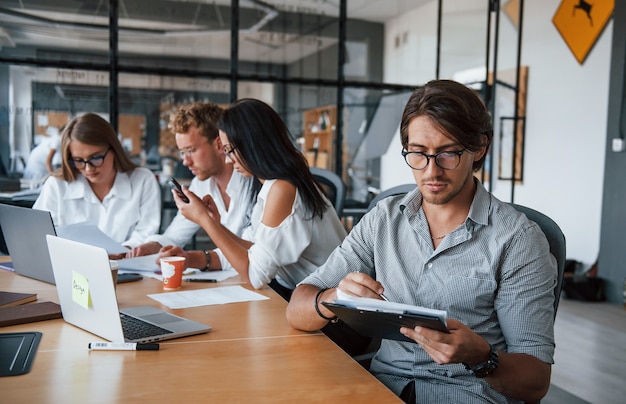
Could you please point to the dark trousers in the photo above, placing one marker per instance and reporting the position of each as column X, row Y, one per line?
column 340, row 333
column 284, row 292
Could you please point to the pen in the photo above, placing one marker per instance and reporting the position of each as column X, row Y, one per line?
column 122, row 346
column 200, row 280
column 384, row 297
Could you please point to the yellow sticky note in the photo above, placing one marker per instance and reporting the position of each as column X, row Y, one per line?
column 80, row 289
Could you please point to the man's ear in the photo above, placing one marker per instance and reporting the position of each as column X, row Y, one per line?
column 483, row 149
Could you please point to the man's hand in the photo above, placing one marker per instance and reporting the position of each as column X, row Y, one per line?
column 145, row 249
column 173, row 251
column 361, row 285
column 461, row 345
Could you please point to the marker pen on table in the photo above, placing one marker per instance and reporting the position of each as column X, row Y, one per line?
column 200, row 280
column 122, row 346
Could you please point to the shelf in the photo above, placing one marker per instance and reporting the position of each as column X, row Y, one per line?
column 319, row 126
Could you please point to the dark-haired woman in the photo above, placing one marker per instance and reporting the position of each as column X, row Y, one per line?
column 97, row 183
column 293, row 225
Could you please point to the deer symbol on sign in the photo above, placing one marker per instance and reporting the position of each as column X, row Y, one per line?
column 586, row 7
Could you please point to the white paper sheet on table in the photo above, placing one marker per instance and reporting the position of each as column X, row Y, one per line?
column 217, row 275
column 89, row 233
column 205, row 297
column 147, row 263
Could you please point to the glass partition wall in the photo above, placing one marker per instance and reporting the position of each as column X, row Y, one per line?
column 338, row 72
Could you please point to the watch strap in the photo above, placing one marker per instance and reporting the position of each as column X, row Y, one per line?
column 486, row 368
column 208, row 261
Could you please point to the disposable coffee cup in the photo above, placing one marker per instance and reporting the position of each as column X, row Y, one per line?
column 172, row 271
column 114, row 270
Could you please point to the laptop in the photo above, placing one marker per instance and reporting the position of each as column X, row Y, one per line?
column 25, row 233
column 88, row 301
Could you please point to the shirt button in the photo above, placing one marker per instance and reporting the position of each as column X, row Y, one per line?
column 430, row 265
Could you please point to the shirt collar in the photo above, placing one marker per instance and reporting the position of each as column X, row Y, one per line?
column 478, row 213
column 78, row 189
column 234, row 184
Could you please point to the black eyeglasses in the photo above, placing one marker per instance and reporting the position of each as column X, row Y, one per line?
column 95, row 161
column 448, row 160
column 228, row 149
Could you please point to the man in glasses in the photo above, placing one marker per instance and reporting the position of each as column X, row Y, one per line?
column 448, row 245
column 201, row 150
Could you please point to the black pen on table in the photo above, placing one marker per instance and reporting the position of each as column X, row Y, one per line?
column 200, row 280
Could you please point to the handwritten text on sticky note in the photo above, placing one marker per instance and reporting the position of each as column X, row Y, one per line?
column 80, row 289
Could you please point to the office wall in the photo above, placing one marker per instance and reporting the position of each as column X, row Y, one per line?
column 612, row 262
column 566, row 126
column 4, row 120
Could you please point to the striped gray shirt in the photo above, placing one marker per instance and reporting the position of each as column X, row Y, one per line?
column 494, row 273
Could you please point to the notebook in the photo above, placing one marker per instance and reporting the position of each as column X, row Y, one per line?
column 25, row 233
column 88, row 301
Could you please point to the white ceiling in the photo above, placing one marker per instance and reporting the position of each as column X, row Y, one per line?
column 61, row 24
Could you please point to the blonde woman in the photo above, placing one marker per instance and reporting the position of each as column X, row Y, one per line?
column 97, row 183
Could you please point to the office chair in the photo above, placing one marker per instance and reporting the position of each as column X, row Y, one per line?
column 332, row 186
column 556, row 240
column 397, row 190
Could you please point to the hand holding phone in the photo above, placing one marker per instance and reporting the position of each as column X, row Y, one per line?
column 175, row 185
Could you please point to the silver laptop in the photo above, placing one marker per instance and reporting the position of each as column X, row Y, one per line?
column 87, row 297
column 25, row 233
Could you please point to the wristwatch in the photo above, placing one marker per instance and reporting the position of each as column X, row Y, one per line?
column 486, row 368
column 208, row 261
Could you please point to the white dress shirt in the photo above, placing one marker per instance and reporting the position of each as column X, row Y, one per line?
column 129, row 213
column 36, row 164
column 294, row 249
column 235, row 219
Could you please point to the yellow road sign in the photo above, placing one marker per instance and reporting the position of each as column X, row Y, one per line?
column 581, row 22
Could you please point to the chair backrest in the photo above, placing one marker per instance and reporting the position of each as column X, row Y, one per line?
column 333, row 187
column 556, row 240
column 397, row 190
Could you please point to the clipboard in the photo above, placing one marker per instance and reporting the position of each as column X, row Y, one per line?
column 17, row 352
column 385, row 324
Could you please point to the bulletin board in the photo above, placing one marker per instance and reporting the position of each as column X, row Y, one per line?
column 133, row 129
column 46, row 119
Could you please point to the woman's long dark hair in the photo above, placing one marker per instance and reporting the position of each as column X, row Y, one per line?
column 265, row 148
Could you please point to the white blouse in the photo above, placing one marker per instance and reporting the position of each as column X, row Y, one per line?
column 129, row 213
column 294, row 249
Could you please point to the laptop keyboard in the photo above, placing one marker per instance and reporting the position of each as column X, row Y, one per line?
column 135, row 328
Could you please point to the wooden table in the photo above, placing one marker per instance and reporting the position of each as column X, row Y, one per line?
column 251, row 355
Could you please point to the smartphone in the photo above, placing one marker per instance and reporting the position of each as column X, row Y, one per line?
column 123, row 278
column 175, row 185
